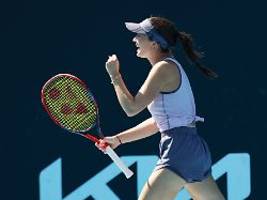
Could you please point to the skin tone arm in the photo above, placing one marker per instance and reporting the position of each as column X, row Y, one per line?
column 142, row 130
column 156, row 81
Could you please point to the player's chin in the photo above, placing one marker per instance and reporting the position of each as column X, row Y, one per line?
column 140, row 53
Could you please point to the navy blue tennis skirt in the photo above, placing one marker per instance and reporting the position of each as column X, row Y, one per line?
column 185, row 153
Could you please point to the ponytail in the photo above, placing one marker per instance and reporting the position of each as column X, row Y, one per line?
column 187, row 43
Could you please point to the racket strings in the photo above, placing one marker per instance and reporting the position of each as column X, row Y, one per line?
column 70, row 104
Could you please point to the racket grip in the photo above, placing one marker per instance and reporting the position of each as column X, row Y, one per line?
column 116, row 159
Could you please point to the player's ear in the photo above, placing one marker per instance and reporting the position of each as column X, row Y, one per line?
column 155, row 45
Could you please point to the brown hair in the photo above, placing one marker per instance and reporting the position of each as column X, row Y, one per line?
column 168, row 30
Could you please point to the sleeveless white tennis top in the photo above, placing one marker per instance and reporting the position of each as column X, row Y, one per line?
column 176, row 108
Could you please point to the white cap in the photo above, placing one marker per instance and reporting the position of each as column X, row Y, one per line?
column 143, row 27
column 146, row 27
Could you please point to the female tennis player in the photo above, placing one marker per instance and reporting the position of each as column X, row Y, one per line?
column 184, row 159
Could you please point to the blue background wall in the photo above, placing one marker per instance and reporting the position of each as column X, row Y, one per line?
column 42, row 38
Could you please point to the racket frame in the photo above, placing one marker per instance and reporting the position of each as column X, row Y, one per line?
column 116, row 159
column 44, row 103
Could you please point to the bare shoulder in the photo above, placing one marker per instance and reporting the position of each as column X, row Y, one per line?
column 169, row 75
column 165, row 68
column 163, row 77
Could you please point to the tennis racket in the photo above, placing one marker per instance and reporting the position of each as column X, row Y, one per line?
column 71, row 105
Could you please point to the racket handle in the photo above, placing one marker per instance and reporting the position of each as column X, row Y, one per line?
column 116, row 159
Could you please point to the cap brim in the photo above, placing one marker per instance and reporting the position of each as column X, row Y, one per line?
column 134, row 27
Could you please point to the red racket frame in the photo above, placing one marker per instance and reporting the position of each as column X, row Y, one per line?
column 44, row 103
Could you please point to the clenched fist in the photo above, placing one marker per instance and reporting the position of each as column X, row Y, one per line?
column 113, row 66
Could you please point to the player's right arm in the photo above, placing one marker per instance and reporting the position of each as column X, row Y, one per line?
column 142, row 130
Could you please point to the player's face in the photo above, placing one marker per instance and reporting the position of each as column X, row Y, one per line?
column 143, row 44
